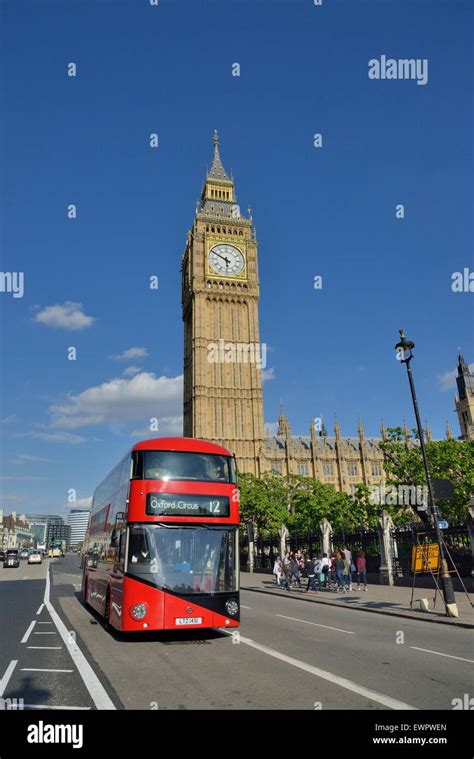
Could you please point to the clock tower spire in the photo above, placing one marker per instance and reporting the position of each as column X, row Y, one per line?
column 223, row 358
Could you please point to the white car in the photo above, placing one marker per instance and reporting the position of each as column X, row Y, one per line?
column 35, row 558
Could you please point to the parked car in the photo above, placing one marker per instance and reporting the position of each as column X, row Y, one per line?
column 24, row 553
column 12, row 558
column 2, row 556
column 35, row 557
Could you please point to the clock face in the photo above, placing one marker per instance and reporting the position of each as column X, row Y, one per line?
column 226, row 260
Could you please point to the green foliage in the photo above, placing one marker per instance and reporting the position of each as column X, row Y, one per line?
column 452, row 460
column 301, row 503
column 263, row 502
column 298, row 502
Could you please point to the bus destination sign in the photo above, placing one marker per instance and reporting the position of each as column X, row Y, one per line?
column 172, row 504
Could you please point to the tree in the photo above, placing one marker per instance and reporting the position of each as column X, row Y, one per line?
column 263, row 501
column 452, row 460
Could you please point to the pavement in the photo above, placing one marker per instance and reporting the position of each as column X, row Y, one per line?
column 381, row 599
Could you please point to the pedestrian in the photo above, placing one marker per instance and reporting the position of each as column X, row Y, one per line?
column 325, row 570
column 346, row 573
column 348, row 555
column 361, row 564
column 310, row 574
column 319, row 577
column 338, row 565
column 294, row 575
column 278, row 570
column 286, row 569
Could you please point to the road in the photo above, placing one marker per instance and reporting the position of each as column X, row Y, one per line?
column 287, row 655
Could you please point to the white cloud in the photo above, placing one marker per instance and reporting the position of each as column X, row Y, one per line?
column 122, row 400
column 131, row 370
column 8, row 419
column 447, row 380
column 131, row 353
column 68, row 316
column 55, row 437
column 268, row 374
column 24, row 458
column 168, row 425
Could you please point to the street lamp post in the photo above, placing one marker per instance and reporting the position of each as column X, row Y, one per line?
column 405, row 354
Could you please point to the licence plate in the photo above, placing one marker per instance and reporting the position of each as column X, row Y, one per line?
column 189, row 621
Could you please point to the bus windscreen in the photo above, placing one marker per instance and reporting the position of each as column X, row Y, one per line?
column 183, row 465
column 191, row 559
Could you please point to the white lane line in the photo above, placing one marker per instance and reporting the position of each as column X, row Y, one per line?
column 31, row 669
column 28, row 632
column 47, row 648
column 45, row 623
column 337, row 629
column 40, row 609
column 91, row 681
column 245, row 607
column 350, row 685
column 7, row 675
column 46, row 706
column 438, row 653
column 44, row 633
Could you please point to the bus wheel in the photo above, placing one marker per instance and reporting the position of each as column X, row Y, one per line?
column 107, row 612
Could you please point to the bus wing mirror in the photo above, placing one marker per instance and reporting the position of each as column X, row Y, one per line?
column 114, row 538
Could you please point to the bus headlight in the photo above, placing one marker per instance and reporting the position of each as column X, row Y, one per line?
column 232, row 608
column 139, row 611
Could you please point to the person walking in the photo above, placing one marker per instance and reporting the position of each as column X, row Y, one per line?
column 294, row 570
column 338, row 565
column 278, row 571
column 319, row 577
column 310, row 574
column 361, row 565
column 348, row 555
column 286, row 569
column 346, row 573
column 325, row 571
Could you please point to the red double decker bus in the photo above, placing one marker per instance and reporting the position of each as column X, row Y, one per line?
column 161, row 552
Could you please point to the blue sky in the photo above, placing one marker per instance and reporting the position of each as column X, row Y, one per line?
column 327, row 211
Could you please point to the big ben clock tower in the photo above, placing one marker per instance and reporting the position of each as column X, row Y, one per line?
column 220, row 292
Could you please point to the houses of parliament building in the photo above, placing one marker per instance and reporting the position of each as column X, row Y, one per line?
column 223, row 398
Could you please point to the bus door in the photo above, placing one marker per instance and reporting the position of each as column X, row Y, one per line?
column 119, row 546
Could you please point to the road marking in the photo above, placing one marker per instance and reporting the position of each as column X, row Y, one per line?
column 350, row 685
column 7, row 675
column 47, row 648
column 438, row 653
column 245, row 607
column 28, row 632
column 31, row 669
column 40, row 609
column 337, row 629
column 91, row 681
column 47, row 706
column 45, row 633
column 45, row 623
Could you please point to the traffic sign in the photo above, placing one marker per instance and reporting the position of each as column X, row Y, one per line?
column 425, row 558
column 443, row 524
